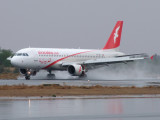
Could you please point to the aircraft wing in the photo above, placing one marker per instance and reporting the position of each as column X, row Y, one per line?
column 112, row 60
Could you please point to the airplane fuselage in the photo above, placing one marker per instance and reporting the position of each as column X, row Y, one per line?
column 52, row 58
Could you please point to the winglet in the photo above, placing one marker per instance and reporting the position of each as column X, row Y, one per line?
column 152, row 57
column 115, row 37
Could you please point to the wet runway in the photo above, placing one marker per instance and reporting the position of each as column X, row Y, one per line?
column 81, row 108
column 144, row 107
column 86, row 82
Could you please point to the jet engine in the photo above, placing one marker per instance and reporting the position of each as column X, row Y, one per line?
column 23, row 71
column 27, row 72
column 76, row 70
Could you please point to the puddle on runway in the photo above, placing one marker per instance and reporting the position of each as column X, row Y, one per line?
column 82, row 109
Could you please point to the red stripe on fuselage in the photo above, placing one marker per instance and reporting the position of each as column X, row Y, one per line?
column 63, row 59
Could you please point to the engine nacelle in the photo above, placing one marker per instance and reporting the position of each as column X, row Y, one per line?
column 76, row 70
column 23, row 71
column 28, row 72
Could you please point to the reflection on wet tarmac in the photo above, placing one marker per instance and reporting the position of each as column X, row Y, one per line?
column 81, row 109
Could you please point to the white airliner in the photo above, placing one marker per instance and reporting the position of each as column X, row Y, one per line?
column 76, row 61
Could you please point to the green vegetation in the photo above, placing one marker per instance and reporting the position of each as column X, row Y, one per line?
column 4, row 54
column 5, row 65
column 53, row 95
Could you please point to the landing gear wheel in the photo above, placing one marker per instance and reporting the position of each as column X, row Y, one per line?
column 51, row 76
column 83, row 76
column 27, row 77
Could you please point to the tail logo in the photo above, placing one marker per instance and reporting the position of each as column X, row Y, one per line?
column 116, row 34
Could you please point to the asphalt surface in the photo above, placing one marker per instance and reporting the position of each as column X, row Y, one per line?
column 86, row 82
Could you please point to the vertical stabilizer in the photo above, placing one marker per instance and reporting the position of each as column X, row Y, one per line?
column 115, row 37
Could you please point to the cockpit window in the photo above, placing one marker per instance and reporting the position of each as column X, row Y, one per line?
column 21, row 54
column 25, row 54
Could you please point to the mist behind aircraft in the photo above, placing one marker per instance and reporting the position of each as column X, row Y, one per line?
column 144, row 69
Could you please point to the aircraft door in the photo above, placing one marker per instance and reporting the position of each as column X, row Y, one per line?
column 36, row 60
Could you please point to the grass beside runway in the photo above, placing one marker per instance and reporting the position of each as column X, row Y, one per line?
column 9, row 76
column 57, row 90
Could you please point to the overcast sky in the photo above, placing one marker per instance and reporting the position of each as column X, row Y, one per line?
column 79, row 23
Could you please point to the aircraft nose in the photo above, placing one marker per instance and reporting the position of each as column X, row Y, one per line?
column 14, row 62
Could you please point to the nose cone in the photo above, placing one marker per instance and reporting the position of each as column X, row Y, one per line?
column 15, row 62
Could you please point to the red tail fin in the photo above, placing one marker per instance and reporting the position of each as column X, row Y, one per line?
column 115, row 37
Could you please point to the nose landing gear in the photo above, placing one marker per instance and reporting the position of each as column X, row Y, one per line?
column 28, row 72
column 27, row 77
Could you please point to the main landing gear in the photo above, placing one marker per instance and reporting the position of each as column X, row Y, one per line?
column 84, row 76
column 50, row 76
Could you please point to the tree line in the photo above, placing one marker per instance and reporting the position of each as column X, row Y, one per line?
column 5, row 65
